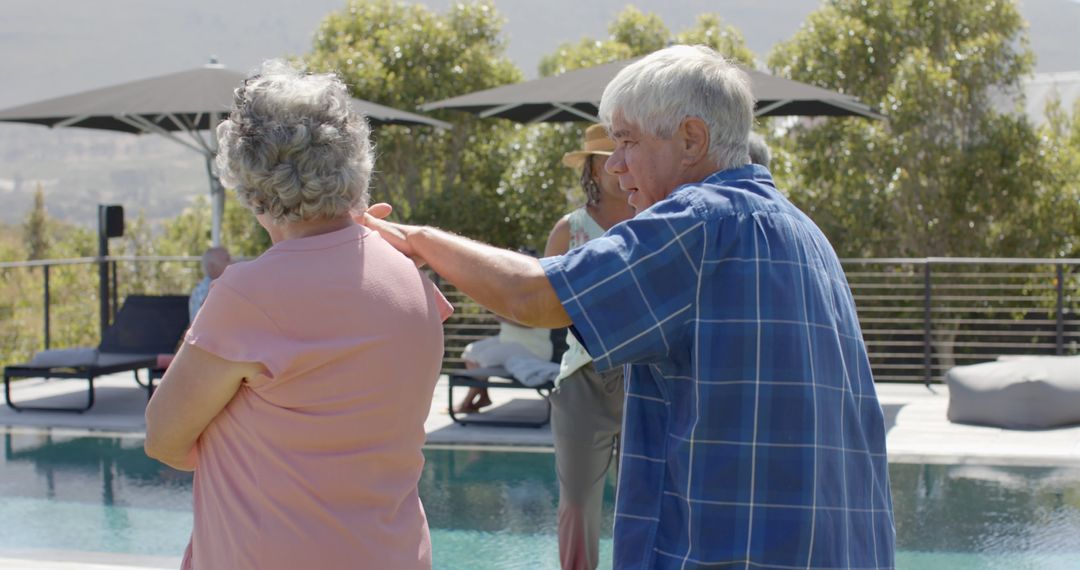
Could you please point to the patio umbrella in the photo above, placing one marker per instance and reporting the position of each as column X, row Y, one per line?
column 575, row 96
column 177, row 106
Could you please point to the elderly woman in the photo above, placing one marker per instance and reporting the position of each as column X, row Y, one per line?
column 587, row 406
column 300, row 392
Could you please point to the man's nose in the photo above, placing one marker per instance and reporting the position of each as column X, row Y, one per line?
column 615, row 163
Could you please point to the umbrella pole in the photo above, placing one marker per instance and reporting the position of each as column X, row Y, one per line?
column 217, row 202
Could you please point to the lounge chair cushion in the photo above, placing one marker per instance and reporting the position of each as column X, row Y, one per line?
column 81, row 357
column 532, row 372
column 1030, row 392
column 65, row 357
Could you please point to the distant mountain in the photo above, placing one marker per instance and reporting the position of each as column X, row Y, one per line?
column 78, row 169
column 56, row 47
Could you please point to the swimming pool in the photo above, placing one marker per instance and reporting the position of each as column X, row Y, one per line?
column 496, row 509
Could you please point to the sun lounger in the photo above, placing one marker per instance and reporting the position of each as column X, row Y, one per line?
column 500, row 377
column 146, row 326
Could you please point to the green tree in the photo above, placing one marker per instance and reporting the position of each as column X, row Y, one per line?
column 36, row 228
column 1055, row 216
column 485, row 178
column 642, row 33
column 710, row 30
column 189, row 232
column 16, row 339
column 947, row 173
column 11, row 242
column 74, row 289
column 537, row 188
column 405, row 55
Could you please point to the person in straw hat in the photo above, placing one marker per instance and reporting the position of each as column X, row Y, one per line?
column 586, row 406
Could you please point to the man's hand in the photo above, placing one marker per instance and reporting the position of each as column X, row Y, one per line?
column 507, row 283
column 380, row 210
column 396, row 235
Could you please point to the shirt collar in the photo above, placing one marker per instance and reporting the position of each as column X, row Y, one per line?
column 353, row 232
column 749, row 171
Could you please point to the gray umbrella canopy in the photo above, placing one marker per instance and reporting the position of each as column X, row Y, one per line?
column 177, row 106
column 182, row 101
column 575, row 96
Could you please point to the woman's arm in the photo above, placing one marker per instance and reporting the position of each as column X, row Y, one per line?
column 558, row 241
column 196, row 387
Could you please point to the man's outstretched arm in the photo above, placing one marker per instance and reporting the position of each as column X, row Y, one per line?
column 507, row 283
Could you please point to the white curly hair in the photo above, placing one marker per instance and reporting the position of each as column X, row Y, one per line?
column 293, row 148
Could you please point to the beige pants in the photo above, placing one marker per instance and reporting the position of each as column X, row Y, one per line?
column 586, row 416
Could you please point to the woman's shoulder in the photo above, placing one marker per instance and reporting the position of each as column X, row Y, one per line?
column 240, row 272
column 561, row 226
column 253, row 280
column 577, row 216
column 583, row 227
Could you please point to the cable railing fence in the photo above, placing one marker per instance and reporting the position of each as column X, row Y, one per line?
column 57, row 303
column 919, row 317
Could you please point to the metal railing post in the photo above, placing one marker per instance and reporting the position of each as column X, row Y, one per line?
column 1060, row 309
column 45, row 286
column 103, row 273
column 927, row 299
column 113, row 291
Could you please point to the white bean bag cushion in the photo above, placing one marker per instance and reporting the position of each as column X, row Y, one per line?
column 1029, row 392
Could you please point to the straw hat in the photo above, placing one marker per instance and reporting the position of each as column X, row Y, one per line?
column 596, row 142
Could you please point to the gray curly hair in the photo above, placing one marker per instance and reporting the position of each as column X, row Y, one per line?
column 293, row 148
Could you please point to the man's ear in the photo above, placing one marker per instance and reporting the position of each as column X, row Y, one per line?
column 694, row 135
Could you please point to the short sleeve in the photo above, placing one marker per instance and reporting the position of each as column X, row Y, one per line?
column 443, row 306
column 232, row 327
column 631, row 292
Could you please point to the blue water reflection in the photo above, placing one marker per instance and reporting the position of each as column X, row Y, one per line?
column 497, row 509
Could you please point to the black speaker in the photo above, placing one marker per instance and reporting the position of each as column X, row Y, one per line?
column 111, row 219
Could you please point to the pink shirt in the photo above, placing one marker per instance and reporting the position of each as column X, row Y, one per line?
column 317, row 464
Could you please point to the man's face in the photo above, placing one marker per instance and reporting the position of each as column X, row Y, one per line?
column 648, row 167
column 609, row 183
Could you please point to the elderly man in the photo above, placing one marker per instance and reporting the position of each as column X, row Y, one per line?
column 214, row 262
column 753, row 437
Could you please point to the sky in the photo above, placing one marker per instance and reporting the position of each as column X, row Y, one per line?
column 55, row 47
column 50, row 48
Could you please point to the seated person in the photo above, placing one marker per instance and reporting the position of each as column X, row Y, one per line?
column 214, row 262
column 513, row 340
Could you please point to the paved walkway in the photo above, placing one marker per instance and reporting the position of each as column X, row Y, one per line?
column 917, row 429
column 120, row 403
column 918, row 432
column 62, row 560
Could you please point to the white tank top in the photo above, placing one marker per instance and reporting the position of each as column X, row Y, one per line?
column 582, row 229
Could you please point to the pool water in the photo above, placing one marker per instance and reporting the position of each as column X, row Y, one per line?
column 497, row 509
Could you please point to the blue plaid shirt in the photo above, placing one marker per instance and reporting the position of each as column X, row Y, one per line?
column 752, row 436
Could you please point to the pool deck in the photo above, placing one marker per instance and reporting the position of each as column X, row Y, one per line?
column 918, row 432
